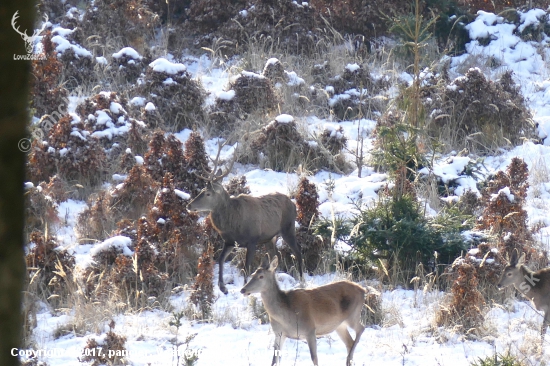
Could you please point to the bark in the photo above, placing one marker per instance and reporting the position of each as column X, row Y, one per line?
column 13, row 118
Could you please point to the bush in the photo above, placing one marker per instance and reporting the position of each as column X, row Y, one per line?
column 397, row 147
column 131, row 22
column 48, row 96
column 498, row 359
column 395, row 229
column 354, row 94
column 504, row 216
column 177, row 97
column 478, row 114
column 70, row 152
column 51, row 266
column 99, row 351
column 466, row 302
column 203, row 288
column 283, row 146
column 104, row 116
column 276, row 21
column 249, row 93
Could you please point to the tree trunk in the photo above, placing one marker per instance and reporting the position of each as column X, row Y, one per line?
column 13, row 119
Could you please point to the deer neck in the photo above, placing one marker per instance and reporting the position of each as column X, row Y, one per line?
column 527, row 282
column 274, row 299
column 220, row 213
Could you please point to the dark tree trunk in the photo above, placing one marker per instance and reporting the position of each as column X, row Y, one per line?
column 14, row 76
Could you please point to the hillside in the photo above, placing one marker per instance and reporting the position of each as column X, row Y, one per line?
column 418, row 158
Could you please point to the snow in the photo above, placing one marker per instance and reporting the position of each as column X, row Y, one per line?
column 128, row 52
column 149, row 107
column 163, row 65
column 119, row 242
column 506, row 192
column 408, row 336
column 137, row 101
column 226, row 95
column 181, row 194
column 352, row 67
column 294, row 79
column 249, row 74
column 63, row 45
column 284, row 118
column 101, row 60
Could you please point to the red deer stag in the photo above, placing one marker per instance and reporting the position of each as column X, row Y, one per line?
column 535, row 285
column 246, row 220
column 308, row 313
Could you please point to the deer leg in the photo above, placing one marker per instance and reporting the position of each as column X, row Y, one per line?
column 250, row 251
column 344, row 335
column 289, row 236
column 280, row 339
column 312, row 344
column 359, row 329
column 227, row 246
column 545, row 324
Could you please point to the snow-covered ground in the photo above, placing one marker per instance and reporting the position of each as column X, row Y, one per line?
column 408, row 337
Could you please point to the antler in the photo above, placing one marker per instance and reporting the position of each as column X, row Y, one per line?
column 216, row 175
column 16, row 27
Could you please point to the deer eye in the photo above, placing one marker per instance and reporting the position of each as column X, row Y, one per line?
column 262, row 276
column 509, row 274
column 208, row 195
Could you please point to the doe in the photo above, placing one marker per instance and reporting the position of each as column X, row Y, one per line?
column 535, row 285
column 308, row 313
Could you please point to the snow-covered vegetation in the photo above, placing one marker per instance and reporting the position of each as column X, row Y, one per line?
column 418, row 159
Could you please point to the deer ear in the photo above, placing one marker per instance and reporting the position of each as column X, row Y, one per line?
column 265, row 262
column 514, row 258
column 274, row 264
column 521, row 260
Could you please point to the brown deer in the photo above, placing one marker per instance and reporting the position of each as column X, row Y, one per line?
column 246, row 220
column 308, row 313
column 535, row 285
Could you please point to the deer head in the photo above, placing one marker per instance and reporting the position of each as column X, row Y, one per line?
column 29, row 41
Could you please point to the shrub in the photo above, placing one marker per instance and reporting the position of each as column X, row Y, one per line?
column 129, row 65
column 395, row 229
column 466, row 302
column 307, row 205
column 498, row 359
column 51, row 265
column 249, row 93
column 98, row 351
column 40, row 210
column 478, row 114
column 354, row 94
column 504, row 216
column 77, row 62
column 131, row 22
column 96, row 221
column 130, row 200
column 276, row 21
column 177, row 97
column 203, row 288
column 283, row 146
column 104, row 116
column 397, row 146
column 70, row 152
column 47, row 94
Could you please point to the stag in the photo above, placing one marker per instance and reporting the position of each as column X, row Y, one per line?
column 246, row 220
column 308, row 313
column 535, row 285
column 29, row 41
